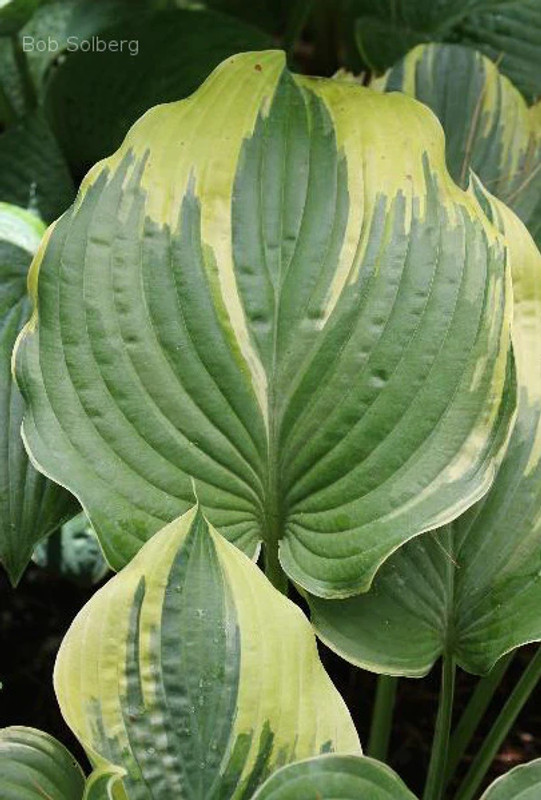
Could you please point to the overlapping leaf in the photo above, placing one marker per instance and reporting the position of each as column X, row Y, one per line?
column 34, row 766
column 329, row 777
column 472, row 589
column 488, row 126
column 30, row 505
column 261, row 297
column 521, row 783
column 190, row 672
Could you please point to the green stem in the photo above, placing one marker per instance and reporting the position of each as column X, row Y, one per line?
column 382, row 717
column 477, row 705
column 297, row 19
column 500, row 729
column 273, row 568
column 435, row 782
column 27, row 84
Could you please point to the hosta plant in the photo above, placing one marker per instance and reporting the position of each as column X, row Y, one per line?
column 297, row 315
column 312, row 330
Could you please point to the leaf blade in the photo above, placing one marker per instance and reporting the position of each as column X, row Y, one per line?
column 196, row 707
column 312, row 353
column 34, row 765
column 328, row 777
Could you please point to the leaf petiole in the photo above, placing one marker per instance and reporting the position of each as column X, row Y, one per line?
column 435, row 782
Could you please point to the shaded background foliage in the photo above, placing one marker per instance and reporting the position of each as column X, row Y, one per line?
column 60, row 112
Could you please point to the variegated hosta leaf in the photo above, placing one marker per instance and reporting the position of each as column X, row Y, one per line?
column 488, row 126
column 34, row 766
column 30, row 505
column 193, row 674
column 73, row 553
column 521, row 783
column 473, row 588
column 275, row 288
column 330, row 777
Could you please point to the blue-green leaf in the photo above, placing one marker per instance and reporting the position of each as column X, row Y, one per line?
column 34, row 766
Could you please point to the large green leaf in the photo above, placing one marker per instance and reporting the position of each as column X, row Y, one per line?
column 508, row 31
column 190, row 672
column 270, row 303
column 93, row 98
column 330, row 777
column 30, row 505
column 521, row 783
column 34, row 766
column 33, row 171
column 488, row 127
column 472, row 589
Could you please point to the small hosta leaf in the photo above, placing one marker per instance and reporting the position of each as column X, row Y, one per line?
column 262, row 297
column 520, row 783
column 34, row 766
column 474, row 587
column 331, row 777
column 190, row 672
column 30, row 505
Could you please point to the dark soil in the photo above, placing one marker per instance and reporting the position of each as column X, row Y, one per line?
column 35, row 616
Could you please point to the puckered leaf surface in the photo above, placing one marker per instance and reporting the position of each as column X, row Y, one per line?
column 472, row 589
column 274, row 288
column 193, row 675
